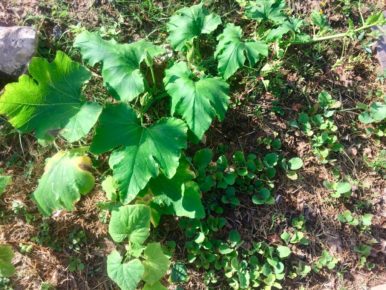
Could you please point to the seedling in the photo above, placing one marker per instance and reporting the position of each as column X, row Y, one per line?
column 5, row 181
column 291, row 166
column 338, row 189
column 363, row 252
column 326, row 260
column 364, row 221
column 296, row 236
column 300, row 270
column 319, row 125
column 375, row 116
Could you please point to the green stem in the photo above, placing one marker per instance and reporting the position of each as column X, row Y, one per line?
column 153, row 76
column 156, row 99
column 335, row 36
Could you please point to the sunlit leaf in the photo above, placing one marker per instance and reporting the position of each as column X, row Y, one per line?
column 130, row 222
column 66, row 178
column 156, row 263
column 126, row 274
column 189, row 23
column 120, row 62
column 142, row 151
column 197, row 101
column 50, row 101
column 232, row 51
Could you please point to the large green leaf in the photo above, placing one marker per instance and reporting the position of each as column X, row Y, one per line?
column 156, row 263
column 155, row 286
column 378, row 111
column 142, row 152
column 121, row 62
column 198, row 102
column 178, row 196
column 130, row 222
column 50, row 100
column 292, row 24
column 66, row 178
column 126, row 275
column 266, row 10
column 232, row 52
column 4, row 182
column 6, row 256
column 190, row 22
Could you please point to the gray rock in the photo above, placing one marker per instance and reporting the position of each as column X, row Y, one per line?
column 381, row 48
column 17, row 46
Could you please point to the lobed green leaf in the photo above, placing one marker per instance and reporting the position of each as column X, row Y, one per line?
column 198, row 102
column 50, row 100
column 120, row 62
column 189, row 23
column 126, row 274
column 142, row 151
column 130, row 222
column 232, row 52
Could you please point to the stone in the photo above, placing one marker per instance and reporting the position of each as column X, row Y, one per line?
column 379, row 287
column 381, row 48
column 17, row 46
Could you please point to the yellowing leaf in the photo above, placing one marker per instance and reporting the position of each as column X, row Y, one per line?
column 66, row 178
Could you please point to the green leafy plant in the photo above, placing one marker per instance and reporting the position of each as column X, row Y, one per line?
column 242, row 174
column 296, row 235
column 142, row 134
column 189, row 23
column 6, row 267
column 260, row 266
column 326, row 260
column 321, row 127
column 379, row 162
column 197, row 101
column 134, row 143
column 266, row 10
column 364, row 252
column 301, row 269
column 364, row 221
column 291, row 166
column 50, row 101
column 339, row 189
column 5, row 180
column 121, row 62
column 376, row 113
column 374, row 117
column 148, row 263
column 232, row 51
column 68, row 171
column 179, row 273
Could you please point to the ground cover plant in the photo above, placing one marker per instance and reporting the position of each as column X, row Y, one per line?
column 187, row 158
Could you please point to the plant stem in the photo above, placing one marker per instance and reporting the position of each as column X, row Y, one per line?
column 153, row 76
column 335, row 36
